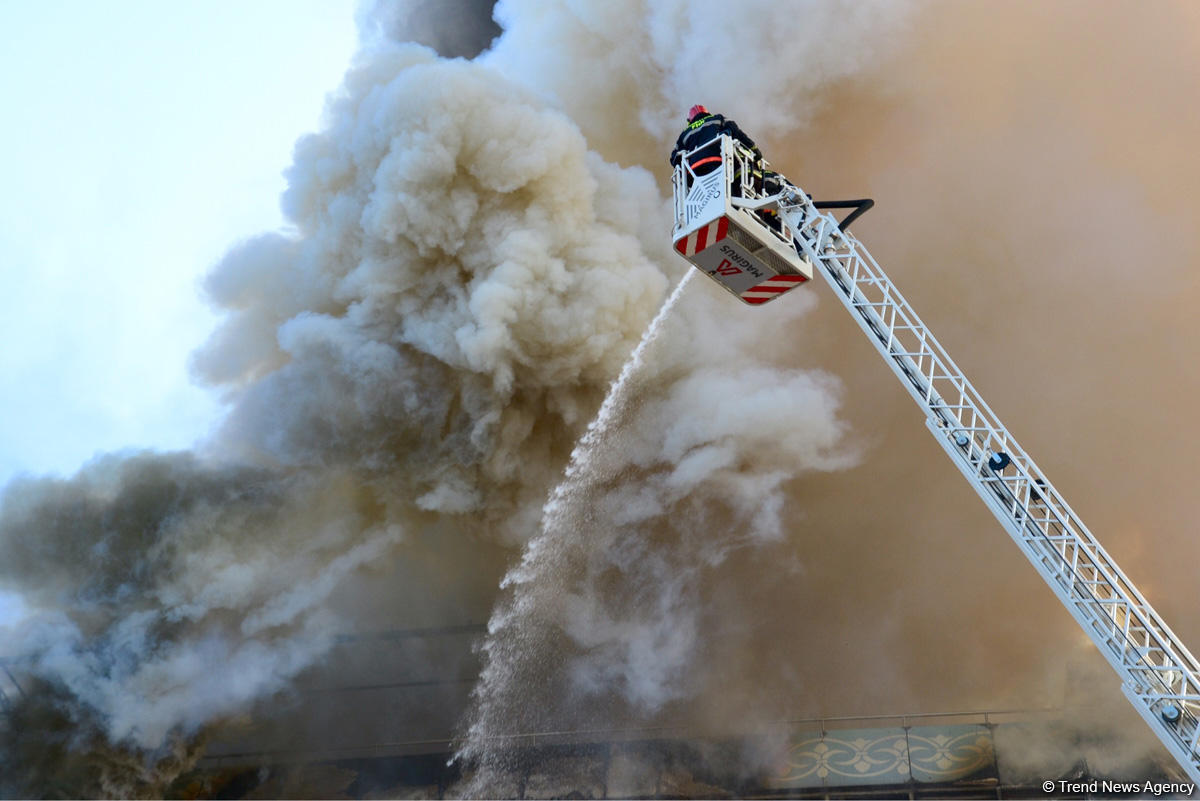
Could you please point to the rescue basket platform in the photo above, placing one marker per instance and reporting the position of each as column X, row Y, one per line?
column 728, row 227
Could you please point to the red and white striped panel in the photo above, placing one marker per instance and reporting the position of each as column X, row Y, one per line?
column 772, row 288
column 701, row 238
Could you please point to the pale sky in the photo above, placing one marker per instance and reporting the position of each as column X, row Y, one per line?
column 141, row 139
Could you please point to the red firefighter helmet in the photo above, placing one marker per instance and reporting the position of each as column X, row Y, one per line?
column 695, row 111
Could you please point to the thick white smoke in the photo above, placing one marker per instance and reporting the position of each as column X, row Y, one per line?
column 609, row 611
column 410, row 367
column 452, row 211
column 625, row 71
column 465, row 276
column 612, row 591
column 463, row 281
column 163, row 593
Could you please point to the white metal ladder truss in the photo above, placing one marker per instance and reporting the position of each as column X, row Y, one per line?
column 1160, row 676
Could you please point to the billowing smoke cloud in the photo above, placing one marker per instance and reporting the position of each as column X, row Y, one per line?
column 409, row 370
column 898, row 568
column 608, row 612
column 464, row 279
column 467, row 277
column 153, row 582
column 454, row 28
column 625, row 71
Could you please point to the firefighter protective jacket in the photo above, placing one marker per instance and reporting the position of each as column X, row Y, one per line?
column 701, row 130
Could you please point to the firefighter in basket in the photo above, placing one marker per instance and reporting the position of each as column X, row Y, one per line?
column 704, row 126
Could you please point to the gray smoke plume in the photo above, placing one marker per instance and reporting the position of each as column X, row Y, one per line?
column 419, row 356
column 463, row 281
column 898, row 568
column 608, row 613
column 626, row 71
column 454, row 28
column 410, row 368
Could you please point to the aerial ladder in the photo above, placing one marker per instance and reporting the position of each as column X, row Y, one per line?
column 761, row 238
